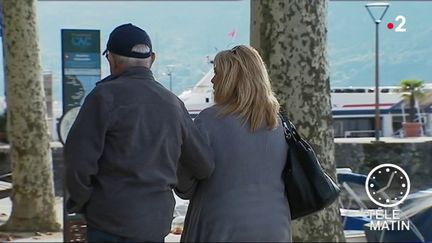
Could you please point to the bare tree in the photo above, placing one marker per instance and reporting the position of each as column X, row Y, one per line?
column 33, row 203
column 291, row 37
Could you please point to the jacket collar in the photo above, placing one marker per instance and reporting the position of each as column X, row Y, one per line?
column 142, row 72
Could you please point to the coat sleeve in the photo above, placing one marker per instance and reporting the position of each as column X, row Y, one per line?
column 186, row 184
column 83, row 148
column 196, row 160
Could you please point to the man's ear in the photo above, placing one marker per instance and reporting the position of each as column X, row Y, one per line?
column 153, row 58
column 113, row 65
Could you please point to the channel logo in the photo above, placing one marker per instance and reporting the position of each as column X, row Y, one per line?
column 401, row 21
column 387, row 185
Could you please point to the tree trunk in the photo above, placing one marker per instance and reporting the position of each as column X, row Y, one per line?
column 33, row 204
column 291, row 37
column 412, row 109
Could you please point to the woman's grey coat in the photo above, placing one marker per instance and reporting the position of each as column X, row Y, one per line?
column 244, row 199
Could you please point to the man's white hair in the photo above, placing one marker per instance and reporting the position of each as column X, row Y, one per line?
column 141, row 48
column 132, row 61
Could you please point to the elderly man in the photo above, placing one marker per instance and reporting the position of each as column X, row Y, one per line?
column 123, row 151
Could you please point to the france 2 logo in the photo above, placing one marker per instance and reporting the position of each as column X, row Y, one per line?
column 401, row 25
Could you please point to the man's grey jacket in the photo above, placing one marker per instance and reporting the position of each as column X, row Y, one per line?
column 122, row 153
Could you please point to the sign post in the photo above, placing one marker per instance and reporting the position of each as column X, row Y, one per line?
column 80, row 71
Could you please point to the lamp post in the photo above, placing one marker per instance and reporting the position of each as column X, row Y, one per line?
column 170, row 70
column 3, row 47
column 377, row 21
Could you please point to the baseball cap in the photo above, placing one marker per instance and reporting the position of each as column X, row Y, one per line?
column 124, row 37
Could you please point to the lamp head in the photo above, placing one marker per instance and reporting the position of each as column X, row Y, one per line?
column 379, row 8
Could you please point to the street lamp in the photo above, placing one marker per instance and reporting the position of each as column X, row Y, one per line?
column 170, row 70
column 377, row 20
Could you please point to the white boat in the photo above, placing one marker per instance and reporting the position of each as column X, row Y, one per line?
column 353, row 108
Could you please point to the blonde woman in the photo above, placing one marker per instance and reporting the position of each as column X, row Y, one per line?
column 244, row 199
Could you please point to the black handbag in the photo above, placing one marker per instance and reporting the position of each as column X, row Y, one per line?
column 308, row 188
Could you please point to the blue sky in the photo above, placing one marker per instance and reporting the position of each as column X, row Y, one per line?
column 185, row 33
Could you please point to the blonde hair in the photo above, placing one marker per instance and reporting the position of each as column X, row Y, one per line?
column 243, row 87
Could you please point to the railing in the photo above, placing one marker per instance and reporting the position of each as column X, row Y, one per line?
column 351, row 132
column 399, row 133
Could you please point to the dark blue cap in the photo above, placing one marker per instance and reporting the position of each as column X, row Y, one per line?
column 123, row 38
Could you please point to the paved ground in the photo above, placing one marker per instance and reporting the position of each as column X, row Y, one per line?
column 5, row 209
column 384, row 139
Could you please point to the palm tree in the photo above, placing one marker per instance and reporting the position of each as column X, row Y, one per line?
column 291, row 36
column 412, row 89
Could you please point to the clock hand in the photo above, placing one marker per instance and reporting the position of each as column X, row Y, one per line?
column 388, row 183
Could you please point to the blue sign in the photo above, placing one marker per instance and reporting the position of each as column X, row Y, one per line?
column 81, row 61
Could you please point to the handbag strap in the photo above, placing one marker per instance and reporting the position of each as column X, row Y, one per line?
column 287, row 132
column 289, row 128
column 291, row 134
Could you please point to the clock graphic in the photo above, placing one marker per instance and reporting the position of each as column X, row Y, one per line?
column 387, row 185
